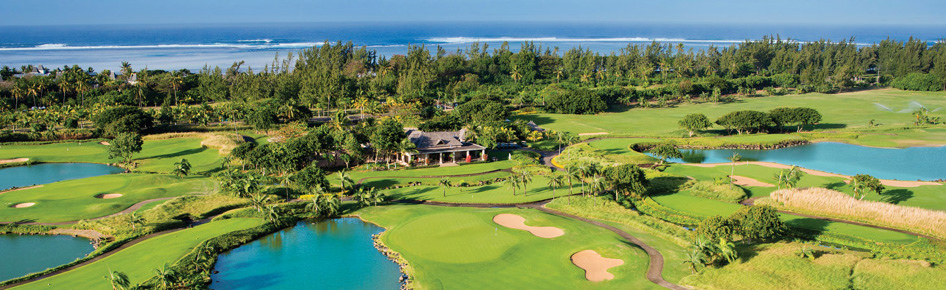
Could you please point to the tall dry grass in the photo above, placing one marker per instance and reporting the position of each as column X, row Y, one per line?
column 830, row 203
column 224, row 142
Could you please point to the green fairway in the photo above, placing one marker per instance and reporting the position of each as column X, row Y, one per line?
column 462, row 248
column 155, row 155
column 849, row 110
column 73, row 200
column 537, row 190
column 139, row 261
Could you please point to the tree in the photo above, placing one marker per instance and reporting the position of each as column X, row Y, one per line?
column 259, row 202
column 118, row 280
column 125, row 145
column 627, row 180
column 744, row 121
column 369, row 196
column 182, row 168
column 387, row 137
column 555, row 182
column 345, row 181
column 445, row 182
column 694, row 123
column 695, row 259
column 166, row 276
column 715, row 228
column 789, row 177
column 135, row 219
column 311, row 178
column 727, row 250
column 760, row 223
column 863, row 182
column 734, row 158
column 513, row 183
column 524, row 178
column 664, row 151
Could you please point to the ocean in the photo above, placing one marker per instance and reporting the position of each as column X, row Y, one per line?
column 193, row 46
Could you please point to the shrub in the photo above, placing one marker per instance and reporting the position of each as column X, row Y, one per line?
column 831, row 203
column 573, row 100
column 759, row 223
column 919, row 82
column 744, row 121
column 713, row 190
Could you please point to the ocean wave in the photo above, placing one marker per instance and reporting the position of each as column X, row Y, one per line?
column 462, row 39
column 60, row 46
column 266, row 40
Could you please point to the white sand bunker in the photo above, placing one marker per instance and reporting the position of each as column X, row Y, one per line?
column 746, row 181
column 15, row 160
column 23, row 205
column 105, row 143
column 519, row 223
column 595, row 266
column 109, row 195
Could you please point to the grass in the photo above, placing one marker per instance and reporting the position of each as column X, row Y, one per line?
column 384, row 182
column 462, row 248
column 537, row 190
column 779, row 266
column 73, row 200
column 155, row 156
column 140, row 260
column 826, row 202
column 847, row 110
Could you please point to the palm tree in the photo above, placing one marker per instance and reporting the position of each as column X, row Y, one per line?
column 287, row 180
column 556, row 182
column 444, row 183
column 695, row 259
column 118, row 280
column 182, row 168
column 512, row 182
column 734, row 158
column 166, row 276
column 135, row 219
column 315, row 205
column 597, row 185
column 406, row 146
column 727, row 250
column 330, row 204
column 259, row 202
column 361, row 104
column 273, row 215
column 525, row 179
column 346, row 181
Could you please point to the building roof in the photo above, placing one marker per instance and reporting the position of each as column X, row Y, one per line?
column 440, row 141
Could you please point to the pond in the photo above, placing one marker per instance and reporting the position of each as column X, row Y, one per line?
column 915, row 163
column 21, row 176
column 29, row 254
column 331, row 254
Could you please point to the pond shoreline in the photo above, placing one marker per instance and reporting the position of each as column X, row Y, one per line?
column 406, row 280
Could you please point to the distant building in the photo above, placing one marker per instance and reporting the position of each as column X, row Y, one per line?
column 440, row 147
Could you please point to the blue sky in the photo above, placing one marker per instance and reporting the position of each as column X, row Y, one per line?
column 860, row 12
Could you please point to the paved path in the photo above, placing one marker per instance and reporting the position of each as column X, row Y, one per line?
column 751, row 201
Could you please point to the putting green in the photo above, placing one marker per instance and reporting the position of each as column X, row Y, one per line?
column 444, row 247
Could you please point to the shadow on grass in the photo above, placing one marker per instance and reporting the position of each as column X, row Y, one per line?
column 176, row 154
column 816, row 226
column 835, row 185
column 896, row 196
column 665, row 185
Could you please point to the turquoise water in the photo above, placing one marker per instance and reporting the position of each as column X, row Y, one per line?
column 916, row 163
column 334, row 254
column 26, row 254
column 21, row 176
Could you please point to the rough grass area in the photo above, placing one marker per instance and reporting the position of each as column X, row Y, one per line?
column 224, row 142
column 462, row 248
column 139, row 261
column 826, row 202
column 73, row 200
column 711, row 190
column 536, row 190
column 780, row 266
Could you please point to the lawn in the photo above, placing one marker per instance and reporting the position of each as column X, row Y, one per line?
column 779, row 266
column 462, row 248
column 73, row 200
column 537, row 190
column 155, row 155
column 139, row 261
column 847, row 110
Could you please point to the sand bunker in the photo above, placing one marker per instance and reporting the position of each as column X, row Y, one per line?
column 593, row 134
column 519, row 223
column 746, row 181
column 15, row 160
column 105, row 143
column 887, row 182
column 25, row 204
column 109, row 195
column 595, row 266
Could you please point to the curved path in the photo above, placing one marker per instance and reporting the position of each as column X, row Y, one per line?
column 751, row 201
column 128, row 210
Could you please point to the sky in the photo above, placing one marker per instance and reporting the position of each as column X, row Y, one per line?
column 808, row 12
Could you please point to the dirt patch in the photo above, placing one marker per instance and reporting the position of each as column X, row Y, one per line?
column 746, row 181
column 15, row 160
column 593, row 134
column 88, row 234
column 20, row 188
column 108, row 195
column 517, row 222
column 24, row 205
column 105, row 143
column 887, row 182
column 595, row 266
